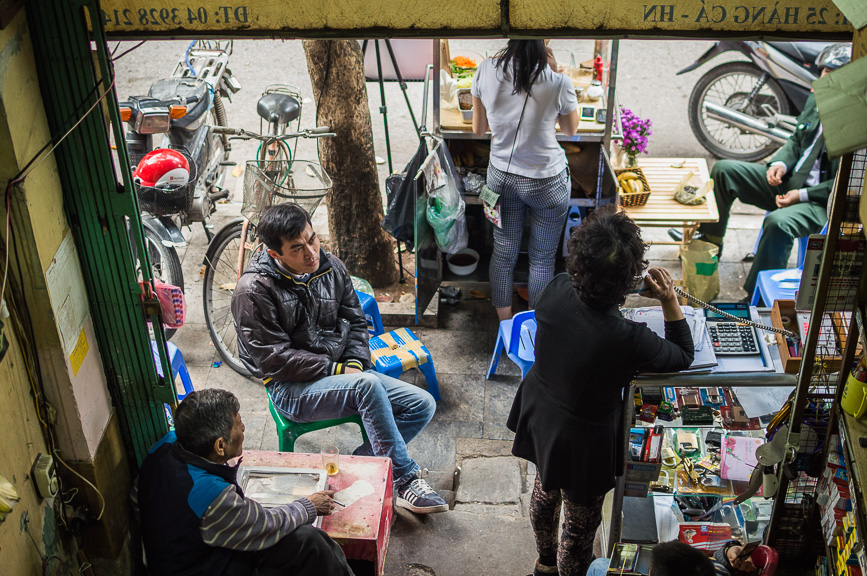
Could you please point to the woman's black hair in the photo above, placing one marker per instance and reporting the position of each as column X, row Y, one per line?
column 523, row 61
column 606, row 254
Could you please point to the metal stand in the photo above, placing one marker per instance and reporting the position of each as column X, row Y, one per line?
column 383, row 109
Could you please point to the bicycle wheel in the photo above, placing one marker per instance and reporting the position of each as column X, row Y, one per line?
column 221, row 275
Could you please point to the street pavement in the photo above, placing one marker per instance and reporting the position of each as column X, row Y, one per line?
column 466, row 446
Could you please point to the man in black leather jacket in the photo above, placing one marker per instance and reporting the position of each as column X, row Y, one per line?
column 302, row 331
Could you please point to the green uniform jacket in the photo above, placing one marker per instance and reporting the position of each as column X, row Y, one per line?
column 791, row 152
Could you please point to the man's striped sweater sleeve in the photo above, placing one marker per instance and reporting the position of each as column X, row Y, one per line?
column 232, row 521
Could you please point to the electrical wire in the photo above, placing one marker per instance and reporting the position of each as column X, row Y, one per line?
column 187, row 58
column 86, row 481
column 125, row 52
column 716, row 310
column 34, row 162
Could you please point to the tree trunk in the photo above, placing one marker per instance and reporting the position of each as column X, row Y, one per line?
column 354, row 203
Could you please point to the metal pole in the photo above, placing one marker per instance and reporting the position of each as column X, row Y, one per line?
column 383, row 109
column 620, row 481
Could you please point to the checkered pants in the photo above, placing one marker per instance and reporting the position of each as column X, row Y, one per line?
column 547, row 201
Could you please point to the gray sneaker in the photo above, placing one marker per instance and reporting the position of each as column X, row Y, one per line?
column 417, row 496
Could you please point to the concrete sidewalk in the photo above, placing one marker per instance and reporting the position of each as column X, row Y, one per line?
column 467, row 446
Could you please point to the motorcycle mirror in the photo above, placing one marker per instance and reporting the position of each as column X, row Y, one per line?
column 176, row 112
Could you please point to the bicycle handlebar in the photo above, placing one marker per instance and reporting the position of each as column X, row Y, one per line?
column 318, row 132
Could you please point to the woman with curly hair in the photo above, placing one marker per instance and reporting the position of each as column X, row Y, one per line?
column 567, row 412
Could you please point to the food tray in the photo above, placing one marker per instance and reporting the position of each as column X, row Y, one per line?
column 633, row 199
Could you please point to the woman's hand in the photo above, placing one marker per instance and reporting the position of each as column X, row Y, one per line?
column 661, row 287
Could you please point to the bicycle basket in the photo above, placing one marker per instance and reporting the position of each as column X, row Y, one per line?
column 271, row 182
column 163, row 201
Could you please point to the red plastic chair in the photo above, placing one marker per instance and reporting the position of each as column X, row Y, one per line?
column 766, row 558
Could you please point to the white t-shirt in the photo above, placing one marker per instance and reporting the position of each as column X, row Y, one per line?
column 537, row 153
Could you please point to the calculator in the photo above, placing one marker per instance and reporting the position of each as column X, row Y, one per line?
column 730, row 338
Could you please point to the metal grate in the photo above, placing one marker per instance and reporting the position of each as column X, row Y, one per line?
column 795, row 530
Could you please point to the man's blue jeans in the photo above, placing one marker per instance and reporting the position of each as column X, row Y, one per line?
column 393, row 412
column 599, row 567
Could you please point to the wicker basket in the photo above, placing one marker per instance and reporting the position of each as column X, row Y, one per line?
column 634, row 199
column 271, row 182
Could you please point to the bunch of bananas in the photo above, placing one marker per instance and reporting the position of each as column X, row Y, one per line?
column 630, row 183
column 8, row 497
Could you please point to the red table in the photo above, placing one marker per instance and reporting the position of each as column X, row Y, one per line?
column 362, row 529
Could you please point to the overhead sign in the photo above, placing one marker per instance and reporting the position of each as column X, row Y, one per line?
column 815, row 19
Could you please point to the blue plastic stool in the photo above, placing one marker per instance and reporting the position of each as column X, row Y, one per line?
column 517, row 337
column 179, row 366
column 400, row 350
column 782, row 284
column 371, row 312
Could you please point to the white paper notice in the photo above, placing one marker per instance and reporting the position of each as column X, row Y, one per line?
column 67, row 292
column 354, row 493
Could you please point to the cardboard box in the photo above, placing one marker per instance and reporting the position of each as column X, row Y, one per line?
column 706, row 536
column 791, row 364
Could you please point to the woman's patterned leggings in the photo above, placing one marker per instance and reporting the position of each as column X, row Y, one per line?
column 574, row 549
column 546, row 200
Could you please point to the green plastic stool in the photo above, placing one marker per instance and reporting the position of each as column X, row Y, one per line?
column 288, row 431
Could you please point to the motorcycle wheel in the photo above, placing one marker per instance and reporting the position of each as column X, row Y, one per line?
column 729, row 85
column 165, row 265
column 221, row 276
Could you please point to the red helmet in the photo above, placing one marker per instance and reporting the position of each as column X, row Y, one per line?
column 162, row 167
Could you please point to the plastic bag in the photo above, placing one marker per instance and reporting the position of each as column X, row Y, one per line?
column 700, row 263
column 448, row 91
column 173, row 306
column 691, row 191
column 401, row 191
column 362, row 285
column 445, row 208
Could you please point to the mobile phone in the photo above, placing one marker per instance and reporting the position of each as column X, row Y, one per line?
column 588, row 113
column 601, row 116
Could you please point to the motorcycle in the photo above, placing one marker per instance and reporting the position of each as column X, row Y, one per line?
column 179, row 113
column 746, row 110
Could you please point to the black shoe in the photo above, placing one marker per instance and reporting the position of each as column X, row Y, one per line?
column 749, row 257
column 676, row 235
column 417, row 496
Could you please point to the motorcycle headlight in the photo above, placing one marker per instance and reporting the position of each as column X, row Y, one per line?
column 152, row 121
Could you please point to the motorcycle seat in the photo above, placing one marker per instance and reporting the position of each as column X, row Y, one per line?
column 169, row 88
column 802, row 52
column 279, row 108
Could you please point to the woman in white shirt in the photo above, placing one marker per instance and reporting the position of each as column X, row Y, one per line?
column 520, row 97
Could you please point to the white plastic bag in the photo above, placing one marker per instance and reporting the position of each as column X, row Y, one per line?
column 445, row 207
column 448, row 91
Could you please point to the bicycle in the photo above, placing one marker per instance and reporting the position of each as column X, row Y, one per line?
column 273, row 178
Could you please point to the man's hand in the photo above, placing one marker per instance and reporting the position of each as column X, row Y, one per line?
column 776, row 173
column 788, row 199
column 323, row 502
column 350, row 370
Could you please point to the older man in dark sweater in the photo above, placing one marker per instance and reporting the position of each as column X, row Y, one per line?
column 195, row 519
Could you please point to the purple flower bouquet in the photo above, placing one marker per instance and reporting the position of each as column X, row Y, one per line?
column 635, row 131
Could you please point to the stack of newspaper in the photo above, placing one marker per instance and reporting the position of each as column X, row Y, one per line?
column 705, row 359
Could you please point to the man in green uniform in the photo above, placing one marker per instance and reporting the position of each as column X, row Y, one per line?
column 794, row 186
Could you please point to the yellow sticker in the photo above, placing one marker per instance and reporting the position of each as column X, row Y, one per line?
column 78, row 353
